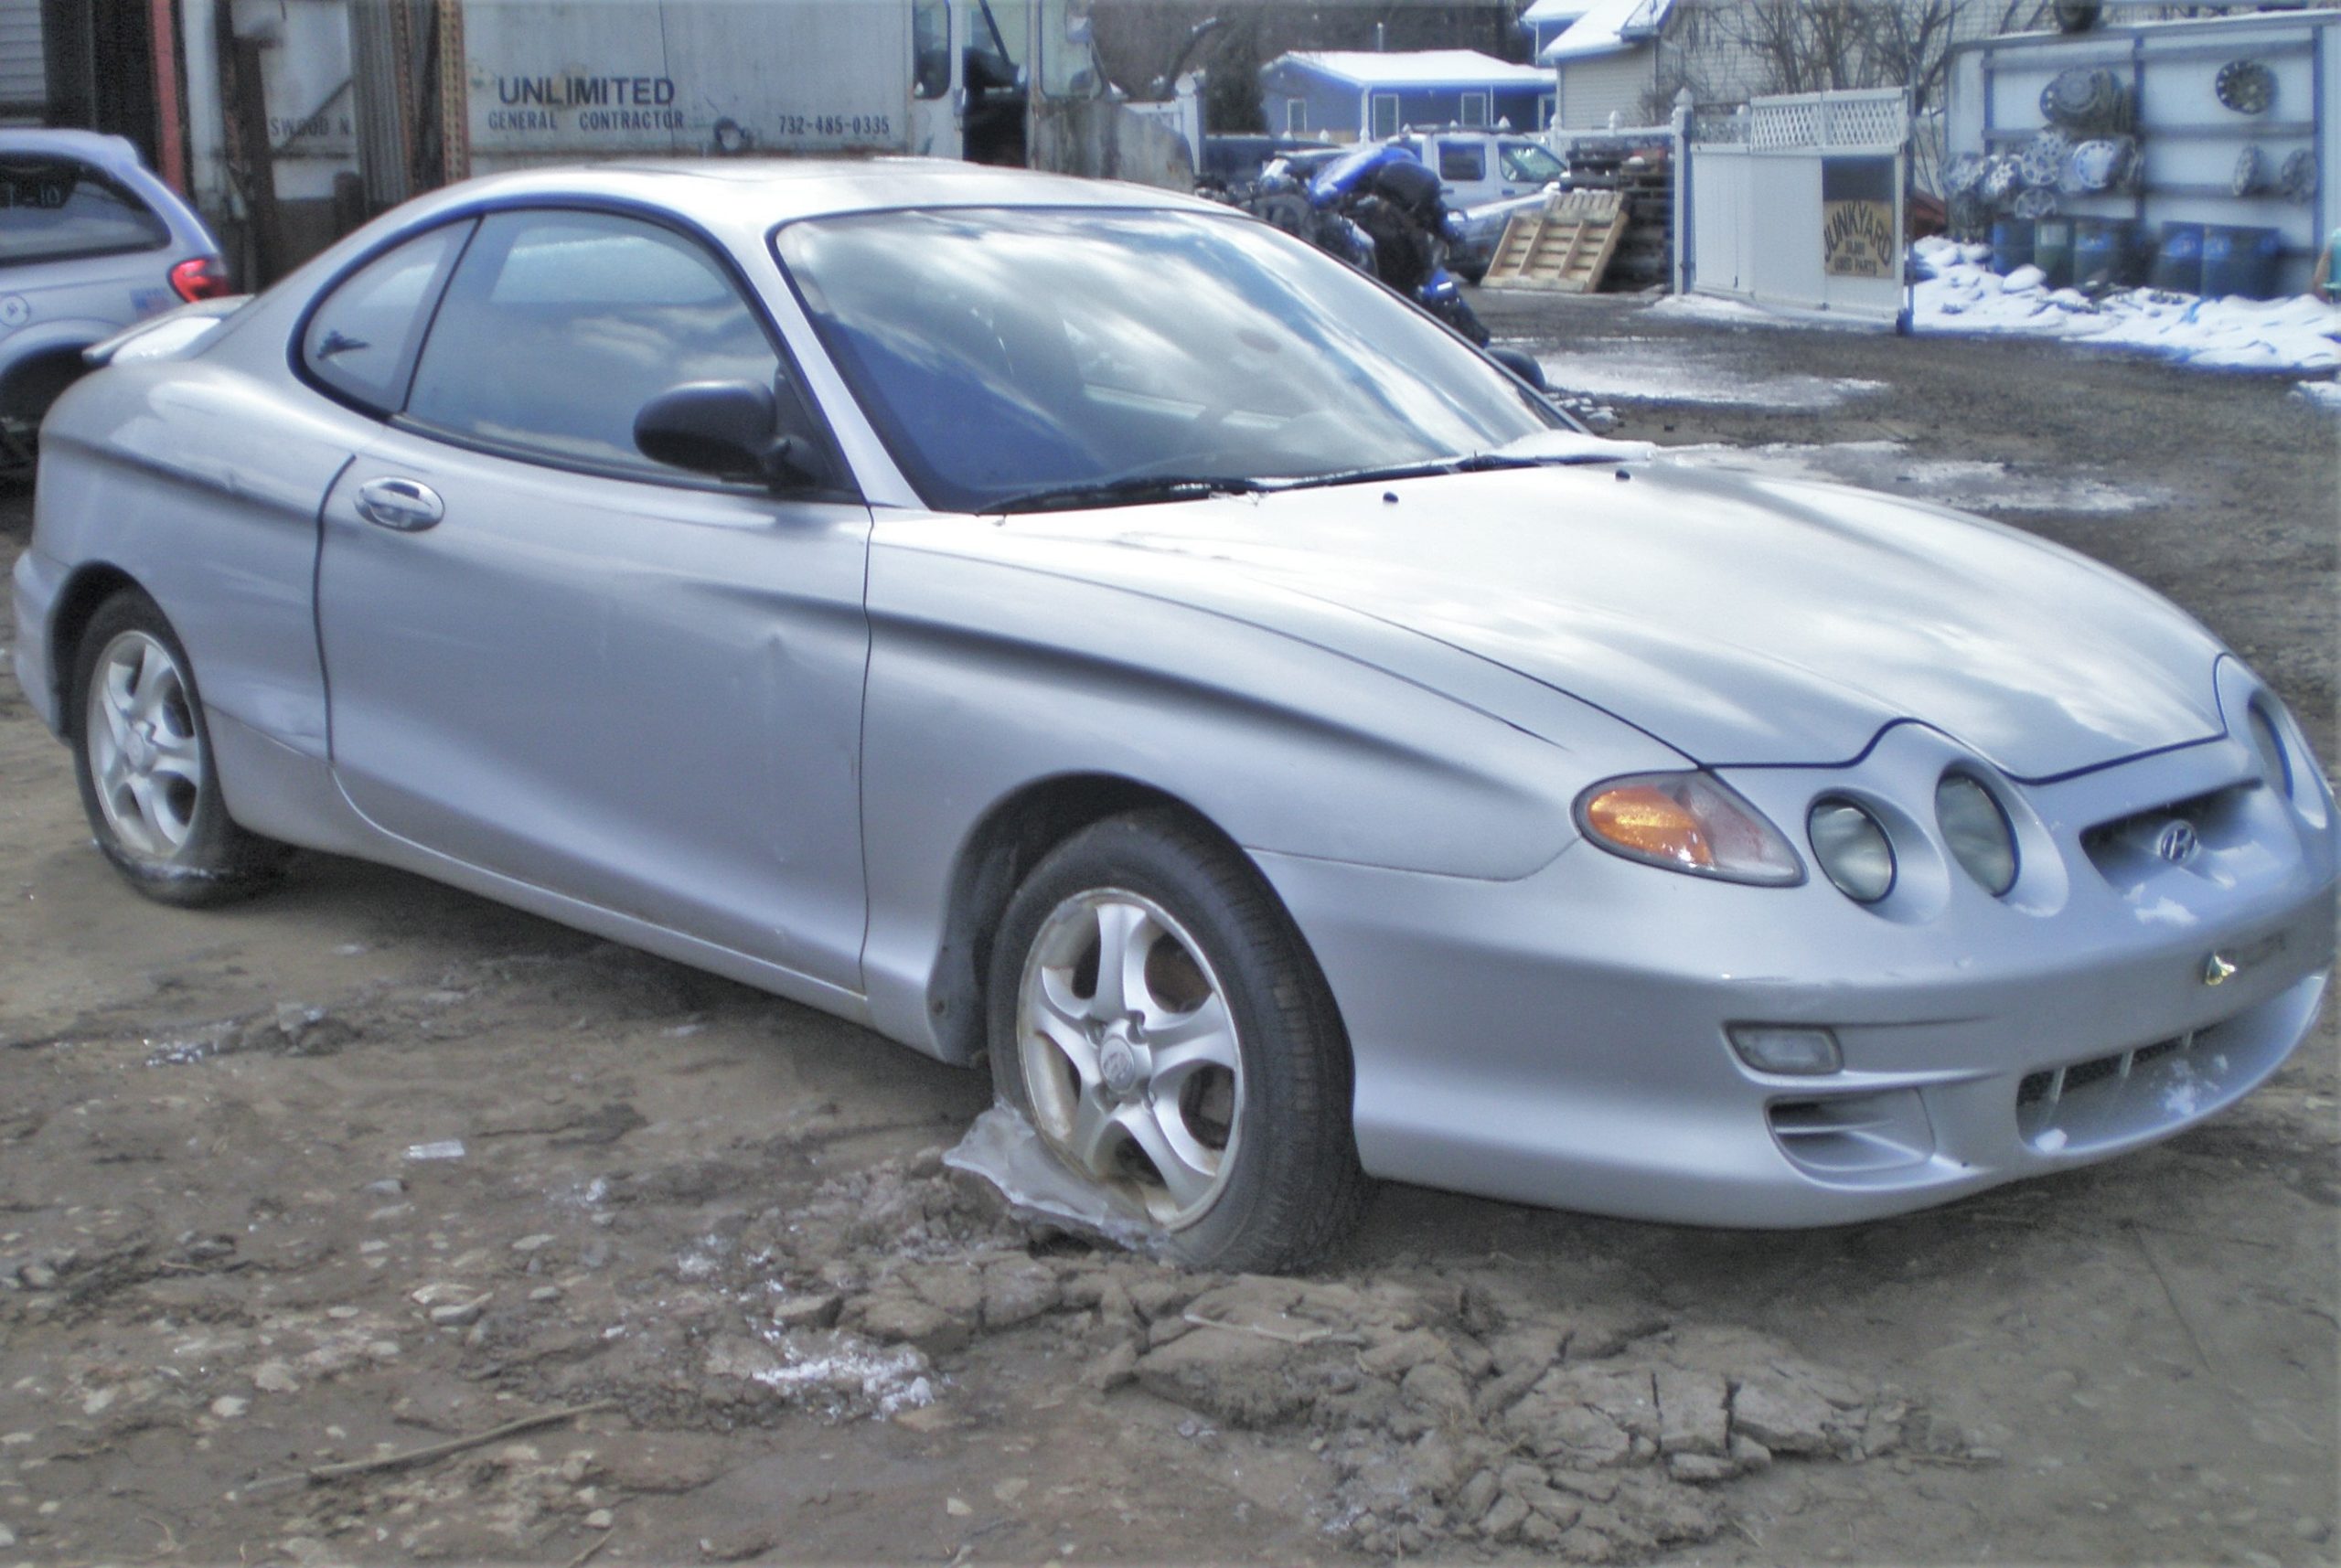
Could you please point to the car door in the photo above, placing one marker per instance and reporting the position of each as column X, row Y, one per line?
column 550, row 658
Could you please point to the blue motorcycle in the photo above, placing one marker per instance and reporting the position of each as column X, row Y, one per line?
column 1378, row 209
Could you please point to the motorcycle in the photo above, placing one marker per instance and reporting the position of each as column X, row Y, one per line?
column 1378, row 209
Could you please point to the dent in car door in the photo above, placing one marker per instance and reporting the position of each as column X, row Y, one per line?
column 552, row 659
column 644, row 697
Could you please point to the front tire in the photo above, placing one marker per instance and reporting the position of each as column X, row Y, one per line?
column 143, row 754
column 1155, row 1014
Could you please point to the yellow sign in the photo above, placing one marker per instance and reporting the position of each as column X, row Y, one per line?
column 1857, row 238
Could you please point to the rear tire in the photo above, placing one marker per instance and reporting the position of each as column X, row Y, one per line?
column 1203, row 1077
column 143, row 754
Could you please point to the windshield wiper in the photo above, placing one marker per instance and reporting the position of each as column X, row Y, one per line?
column 1134, row 490
column 1477, row 462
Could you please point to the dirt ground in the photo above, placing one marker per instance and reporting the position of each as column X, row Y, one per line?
column 239, row 1243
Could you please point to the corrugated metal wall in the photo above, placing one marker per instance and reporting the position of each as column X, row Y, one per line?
column 23, row 72
column 2190, row 143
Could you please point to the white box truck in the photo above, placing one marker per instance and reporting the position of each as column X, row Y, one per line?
column 1012, row 81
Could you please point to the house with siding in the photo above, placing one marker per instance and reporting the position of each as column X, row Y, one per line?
column 1545, row 20
column 1629, row 58
column 1344, row 95
column 1625, row 60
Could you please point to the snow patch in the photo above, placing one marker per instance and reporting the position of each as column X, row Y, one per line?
column 1958, row 293
column 2323, row 395
column 2183, row 1095
column 1887, row 467
column 845, row 1373
column 1660, row 370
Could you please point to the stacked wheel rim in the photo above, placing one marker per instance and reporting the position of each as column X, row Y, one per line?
column 2085, row 98
column 2246, row 87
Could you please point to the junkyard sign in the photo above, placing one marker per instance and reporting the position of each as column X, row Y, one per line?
column 1857, row 236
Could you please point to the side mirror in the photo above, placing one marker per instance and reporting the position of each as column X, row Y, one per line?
column 727, row 428
column 1520, row 364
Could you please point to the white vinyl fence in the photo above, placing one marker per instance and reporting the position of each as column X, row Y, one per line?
column 1799, row 202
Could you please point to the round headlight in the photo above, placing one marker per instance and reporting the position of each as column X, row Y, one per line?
column 1977, row 830
column 1852, row 850
column 2274, row 766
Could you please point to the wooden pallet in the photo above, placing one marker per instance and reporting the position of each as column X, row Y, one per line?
column 1565, row 249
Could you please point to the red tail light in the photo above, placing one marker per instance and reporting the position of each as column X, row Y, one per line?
column 201, row 277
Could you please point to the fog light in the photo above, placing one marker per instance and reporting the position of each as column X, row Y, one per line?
column 1774, row 1047
column 1852, row 850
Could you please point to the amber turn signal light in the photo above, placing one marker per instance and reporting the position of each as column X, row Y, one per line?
column 1688, row 822
column 1646, row 819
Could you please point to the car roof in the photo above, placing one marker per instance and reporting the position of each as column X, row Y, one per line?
column 111, row 153
column 729, row 193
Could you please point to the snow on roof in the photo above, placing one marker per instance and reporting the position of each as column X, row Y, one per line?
column 1421, row 68
column 1556, row 11
column 1607, row 27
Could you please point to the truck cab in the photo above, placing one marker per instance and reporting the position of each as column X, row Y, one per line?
column 1477, row 166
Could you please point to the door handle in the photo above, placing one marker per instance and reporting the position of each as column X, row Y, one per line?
column 405, row 506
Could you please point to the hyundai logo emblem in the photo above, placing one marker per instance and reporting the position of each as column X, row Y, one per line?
column 2176, row 843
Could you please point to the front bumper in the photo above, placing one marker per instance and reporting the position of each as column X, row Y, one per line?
column 1561, row 1040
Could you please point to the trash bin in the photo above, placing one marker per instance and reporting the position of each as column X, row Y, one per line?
column 2105, row 251
column 2179, row 263
column 2241, row 261
column 2052, row 249
column 2011, row 244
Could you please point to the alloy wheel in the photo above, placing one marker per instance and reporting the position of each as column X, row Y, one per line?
column 1130, row 1053
column 145, row 752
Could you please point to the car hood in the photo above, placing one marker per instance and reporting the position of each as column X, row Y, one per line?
column 1741, row 620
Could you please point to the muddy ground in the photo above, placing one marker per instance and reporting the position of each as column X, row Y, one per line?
column 238, row 1244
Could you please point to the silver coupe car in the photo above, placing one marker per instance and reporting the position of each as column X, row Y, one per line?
column 1083, row 627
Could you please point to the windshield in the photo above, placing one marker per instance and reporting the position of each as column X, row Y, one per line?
column 1002, row 353
column 1527, row 161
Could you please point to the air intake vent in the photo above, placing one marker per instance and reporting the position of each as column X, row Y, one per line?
column 1848, row 1136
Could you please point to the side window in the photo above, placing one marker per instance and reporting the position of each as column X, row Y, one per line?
column 558, row 327
column 1475, row 109
column 1385, row 106
column 53, row 208
column 361, row 341
column 1462, row 161
column 931, row 48
column 1296, row 117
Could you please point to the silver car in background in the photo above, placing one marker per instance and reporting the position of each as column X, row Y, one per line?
column 90, row 241
column 1083, row 627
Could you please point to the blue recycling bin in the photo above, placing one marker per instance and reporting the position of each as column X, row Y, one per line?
column 2011, row 244
column 2106, row 252
column 2179, row 262
column 2241, row 261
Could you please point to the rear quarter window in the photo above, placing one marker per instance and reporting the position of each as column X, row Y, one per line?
column 361, row 340
column 52, row 209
